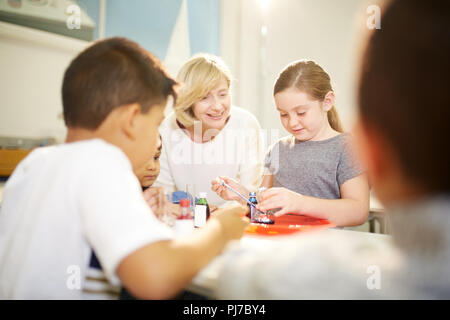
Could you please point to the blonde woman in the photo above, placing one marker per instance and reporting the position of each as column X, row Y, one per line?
column 206, row 136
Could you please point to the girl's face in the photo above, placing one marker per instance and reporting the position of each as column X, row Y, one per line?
column 302, row 117
column 213, row 109
column 148, row 173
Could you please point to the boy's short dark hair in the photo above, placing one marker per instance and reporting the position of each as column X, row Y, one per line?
column 109, row 74
column 403, row 88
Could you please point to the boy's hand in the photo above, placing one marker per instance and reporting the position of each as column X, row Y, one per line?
column 233, row 221
column 151, row 196
column 224, row 193
column 158, row 202
column 174, row 209
column 287, row 200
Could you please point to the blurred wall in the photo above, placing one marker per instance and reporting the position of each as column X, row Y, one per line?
column 151, row 22
column 32, row 62
column 322, row 30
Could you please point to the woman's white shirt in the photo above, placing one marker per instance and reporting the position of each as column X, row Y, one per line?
column 236, row 152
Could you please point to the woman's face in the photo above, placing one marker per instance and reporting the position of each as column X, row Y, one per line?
column 214, row 109
column 148, row 173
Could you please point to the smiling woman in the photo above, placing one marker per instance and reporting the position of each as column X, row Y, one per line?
column 206, row 136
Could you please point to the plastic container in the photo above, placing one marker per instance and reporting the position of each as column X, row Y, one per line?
column 186, row 212
column 202, row 213
column 254, row 214
column 185, row 222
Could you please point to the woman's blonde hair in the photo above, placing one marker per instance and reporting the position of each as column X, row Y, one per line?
column 199, row 75
column 309, row 77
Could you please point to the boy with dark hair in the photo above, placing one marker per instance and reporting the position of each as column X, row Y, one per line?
column 65, row 202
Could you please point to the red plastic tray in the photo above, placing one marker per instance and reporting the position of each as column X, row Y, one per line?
column 288, row 224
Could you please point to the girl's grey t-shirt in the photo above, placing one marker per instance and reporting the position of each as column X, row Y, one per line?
column 313, row 168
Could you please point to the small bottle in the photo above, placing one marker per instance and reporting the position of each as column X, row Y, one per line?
column 253, row 211
column 201, row 210
column 184, row 224
column 264, row 216
column 186, row 212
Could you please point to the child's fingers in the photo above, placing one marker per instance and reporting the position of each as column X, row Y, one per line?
column 223, row 192
column 228, row 180
column 217, row 188
column 152, row 201
column 270, row 204
column 150, row 193
column 146, row 196
column 269, row 193
column 215, row 182
column 219, row 180
column 175, row 209
column 280, row 212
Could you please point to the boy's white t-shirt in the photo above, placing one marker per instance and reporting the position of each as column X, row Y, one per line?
column 61, row 203
column 236, row 152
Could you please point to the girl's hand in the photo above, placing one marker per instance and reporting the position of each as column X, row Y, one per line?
column 224, row 193
column 283, row 198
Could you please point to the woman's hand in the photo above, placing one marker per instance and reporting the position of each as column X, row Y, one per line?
column 283, row 198
column 224, row 193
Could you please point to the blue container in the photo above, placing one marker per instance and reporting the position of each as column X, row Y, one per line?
column 253, row 212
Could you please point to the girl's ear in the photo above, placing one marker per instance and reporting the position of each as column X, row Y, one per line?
column 328, row 101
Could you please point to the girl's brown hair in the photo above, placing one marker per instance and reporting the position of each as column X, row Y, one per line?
column 309, row 77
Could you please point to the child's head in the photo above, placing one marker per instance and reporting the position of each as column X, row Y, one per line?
column 305, row 99
column 205, row 94
column 404, row 107
column 117, row 90
column 149, row 172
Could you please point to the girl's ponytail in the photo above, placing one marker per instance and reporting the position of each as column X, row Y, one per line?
column 334, row 120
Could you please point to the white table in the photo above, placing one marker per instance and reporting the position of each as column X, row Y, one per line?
column 205, row 282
